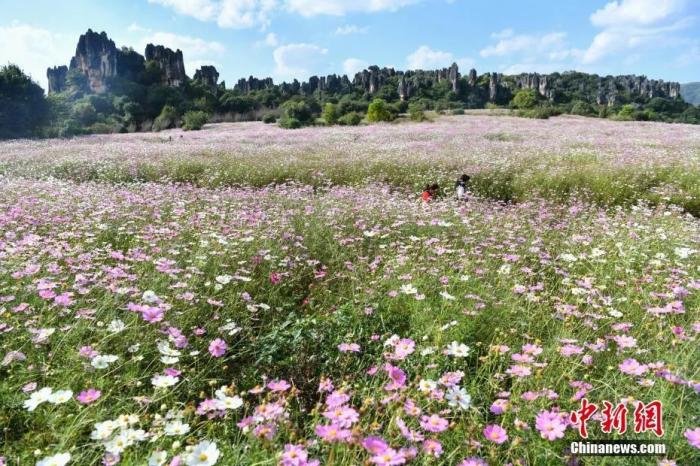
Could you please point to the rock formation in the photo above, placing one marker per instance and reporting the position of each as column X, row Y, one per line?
column 493, row 87
column 252, row 84
column 96, row 57
column 57, row 78
column 207, row 75
column 170, row 62
column 472, row 77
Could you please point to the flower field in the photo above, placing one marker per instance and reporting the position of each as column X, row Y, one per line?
column 163, row 303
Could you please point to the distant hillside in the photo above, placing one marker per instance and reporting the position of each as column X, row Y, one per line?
column 691, row 93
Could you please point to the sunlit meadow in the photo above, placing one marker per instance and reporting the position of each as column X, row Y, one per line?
column 246, row 295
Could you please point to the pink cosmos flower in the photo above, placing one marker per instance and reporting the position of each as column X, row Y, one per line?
column 495, row 433
column 349, row 348
column 296, row 455
column 88, row 396
column 343, row 416
column 473, row 461
column 388, row 457
column 217, row 347
column 532, row 349
column 432, row 448
column 433, row 423
column 152, row 314
column 275, row 278
column 499, row 406
column 550, row 425
column 278, row 385
column 87, row 352
column 632, row 367
column 693, row 437
column 375, row 445
column 333, row 433
column 518, row 370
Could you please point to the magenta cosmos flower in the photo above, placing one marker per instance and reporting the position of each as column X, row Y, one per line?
column 693, row 437
column 473, row 461
column 433, row 423
column 88, row 396
column 388, row 457
column 550, row 425
column 333, row 433
column 217, row 347
column 495, row 433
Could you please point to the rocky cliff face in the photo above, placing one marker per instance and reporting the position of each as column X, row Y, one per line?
column 170, row 62
column 57, row 78
column 252, row 84
column 96, row 57
column 207, row 75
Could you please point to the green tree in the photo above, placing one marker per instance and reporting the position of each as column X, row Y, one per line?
column 525, row 98
column 194, row 120
column 330, row 114
column 296, row 114
column 378, row 111
column 166, row 119
column 23, row 108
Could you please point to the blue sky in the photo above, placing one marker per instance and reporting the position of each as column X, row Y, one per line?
column 296, row 38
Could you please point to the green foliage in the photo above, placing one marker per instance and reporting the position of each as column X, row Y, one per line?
column 582, row 108
column 525, row 98
column 379, row 111
column 330, row 114
column 194, row 120
column 296, row 114
column 416, row 112
column 541, row 113
column 350, row 119
column 627, row 112
column 167, row 119
column 23, row 108
column 269, row 118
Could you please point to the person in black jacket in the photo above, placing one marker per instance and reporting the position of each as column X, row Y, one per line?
column 461, row 186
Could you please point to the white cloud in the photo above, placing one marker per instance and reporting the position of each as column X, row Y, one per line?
column 509, row 43
column 195, row 51
column 354, row 65
column 270, row 40
column 298, row 61
column 425, row 58
column 343, row 7
column 351, row 29
column 233, row 14
column 34, row 49
column 203, row 10
column 635, row 12
column 629, row 25
column 242, row 14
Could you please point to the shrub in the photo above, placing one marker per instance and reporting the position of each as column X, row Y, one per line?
column 379, row 111
column 269, row 118
column 330, row 114
column 194, row 120
column 626, row 113
column 167, row 118
column 416, row 112
column 541, row 113
column 350, row 119
column 525, row 98
column 582, row 108
column 85, row 113
column 296, row 114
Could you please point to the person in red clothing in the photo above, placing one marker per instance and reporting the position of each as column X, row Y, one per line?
column 426, row 196
column 430, row 192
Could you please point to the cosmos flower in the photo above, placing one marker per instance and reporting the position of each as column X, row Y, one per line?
column 495, row 433
column 59, row 459
column 205, row 453
column 217, row 347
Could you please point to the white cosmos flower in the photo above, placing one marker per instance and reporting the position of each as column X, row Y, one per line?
column 447, row 296
column 427, row 385
column 458, row 350
column 408, row 289
column 150, row 296
column 457, row 396
column 230, row 402
column 103, row 430
column 118, row 444
column 204, row 453
column 38, row 397
column 684, row 253
column 157, row 458
column 224, row 279
column 60, row 459
column 163, row 381
column 102, row 361
column 568, row 257
column 60, row 396
column 176, row 427
column 116, row 326
column 136, row 435
column 165, row 349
